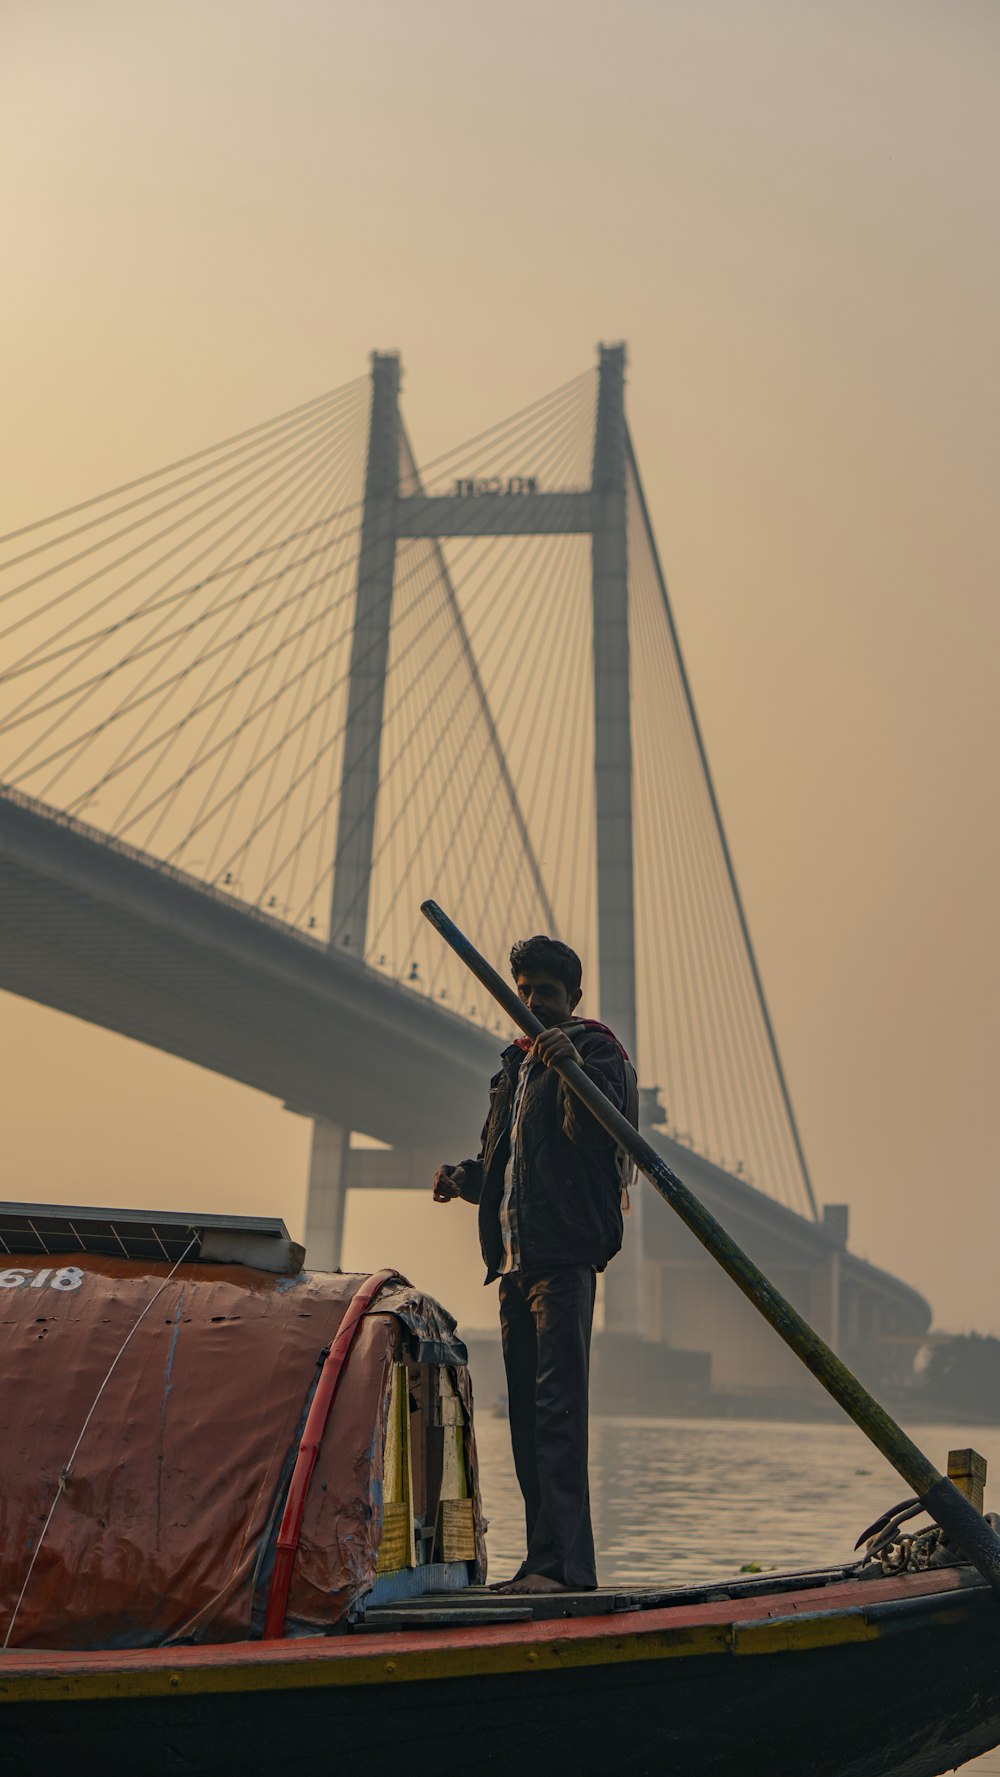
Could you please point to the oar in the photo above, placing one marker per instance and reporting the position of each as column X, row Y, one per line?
column 964, row 1527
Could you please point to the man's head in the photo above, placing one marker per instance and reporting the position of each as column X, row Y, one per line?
column 547, row 975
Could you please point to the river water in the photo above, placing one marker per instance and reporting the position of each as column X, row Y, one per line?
column 697, row 1499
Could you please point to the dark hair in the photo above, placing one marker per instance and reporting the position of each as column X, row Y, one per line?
column 547, row 954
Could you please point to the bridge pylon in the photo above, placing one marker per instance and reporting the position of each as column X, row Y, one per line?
column 329, row 1159
column 623, row 1287
column 388, row 516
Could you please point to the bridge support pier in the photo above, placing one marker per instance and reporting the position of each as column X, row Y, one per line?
column 326, row 1200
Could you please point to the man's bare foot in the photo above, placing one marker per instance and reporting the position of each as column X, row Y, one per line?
column 529, row 1582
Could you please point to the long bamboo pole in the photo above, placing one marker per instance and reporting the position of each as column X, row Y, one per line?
column 964, row 1527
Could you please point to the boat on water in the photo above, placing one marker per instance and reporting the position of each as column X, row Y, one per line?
column 242, row 1529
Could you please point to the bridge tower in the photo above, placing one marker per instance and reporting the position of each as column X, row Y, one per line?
column 330, row 1157
column 388, row 516
column 623, row 1286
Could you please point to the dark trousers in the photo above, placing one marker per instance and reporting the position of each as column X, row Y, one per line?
column 546, row 1320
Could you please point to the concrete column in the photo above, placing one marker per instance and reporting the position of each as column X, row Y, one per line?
column 835, row 1302
column 369, row 658
column 835, row 1223
column 328, row 1167
column 623, row 1310
column 326, row 1199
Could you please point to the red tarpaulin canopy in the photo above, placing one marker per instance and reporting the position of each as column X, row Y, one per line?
column 164, row 1529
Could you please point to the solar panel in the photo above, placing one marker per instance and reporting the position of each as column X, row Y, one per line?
column 27, row 1228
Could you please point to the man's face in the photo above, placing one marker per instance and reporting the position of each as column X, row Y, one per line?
column 549, row 999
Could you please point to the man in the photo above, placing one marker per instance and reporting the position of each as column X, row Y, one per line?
column 550, row 1184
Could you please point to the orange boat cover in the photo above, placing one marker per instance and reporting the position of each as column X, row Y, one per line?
column 163, row 1529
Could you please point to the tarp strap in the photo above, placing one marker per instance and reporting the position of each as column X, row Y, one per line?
column 305, row 1461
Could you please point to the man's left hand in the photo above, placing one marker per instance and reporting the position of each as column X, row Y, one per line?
column 553, row 1046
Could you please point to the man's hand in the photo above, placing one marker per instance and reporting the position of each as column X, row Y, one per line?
column 554, row 1045
column 448, row 1182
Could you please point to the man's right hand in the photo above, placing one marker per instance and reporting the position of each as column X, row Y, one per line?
column 448, row 1183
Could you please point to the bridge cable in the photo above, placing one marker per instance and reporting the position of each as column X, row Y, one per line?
column 153, row 493
column 317, row 493
column 487, row 741
column 471, row 541
column 687, row 848
column 508, row 782
column 525, row 684
column 473, row 845
column 164, row 645
column 121, row 711
column 263, row 457
column 427, row 711
column 727, row 856
column 182, row 462
column 15, row 716
column 161, row 599
column 699, row 840
column 675, row 863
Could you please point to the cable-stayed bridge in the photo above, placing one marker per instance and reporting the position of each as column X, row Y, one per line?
column 255, row 706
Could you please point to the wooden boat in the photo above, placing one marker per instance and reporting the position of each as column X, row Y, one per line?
column 241, row 1530
column 834, row 1677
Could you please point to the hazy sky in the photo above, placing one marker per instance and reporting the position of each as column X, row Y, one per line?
column 213, row 211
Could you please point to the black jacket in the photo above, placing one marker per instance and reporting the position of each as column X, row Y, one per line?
column 567, row 1192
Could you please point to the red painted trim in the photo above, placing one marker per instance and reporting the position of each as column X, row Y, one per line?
column 24, row 1662
column 308, row 1450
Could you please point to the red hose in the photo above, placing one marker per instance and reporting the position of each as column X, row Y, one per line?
column 308, row 1450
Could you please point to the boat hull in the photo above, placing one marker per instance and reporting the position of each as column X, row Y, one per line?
column 900, row 1679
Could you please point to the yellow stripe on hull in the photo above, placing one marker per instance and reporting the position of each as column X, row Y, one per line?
column 297, row 1671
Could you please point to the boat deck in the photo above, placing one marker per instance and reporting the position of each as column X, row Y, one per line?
column 476, row 1606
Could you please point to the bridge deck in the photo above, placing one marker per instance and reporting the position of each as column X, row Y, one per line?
column 99, row 931
column 95, row 929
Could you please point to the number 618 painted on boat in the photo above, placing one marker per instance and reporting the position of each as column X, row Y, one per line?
column 68, row 1277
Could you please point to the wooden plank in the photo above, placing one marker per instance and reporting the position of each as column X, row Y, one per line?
column 397, row 1547
column 440, row 1616
column 968, row 1471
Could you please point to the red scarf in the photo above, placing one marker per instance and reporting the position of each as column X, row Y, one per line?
column 527, row 1043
